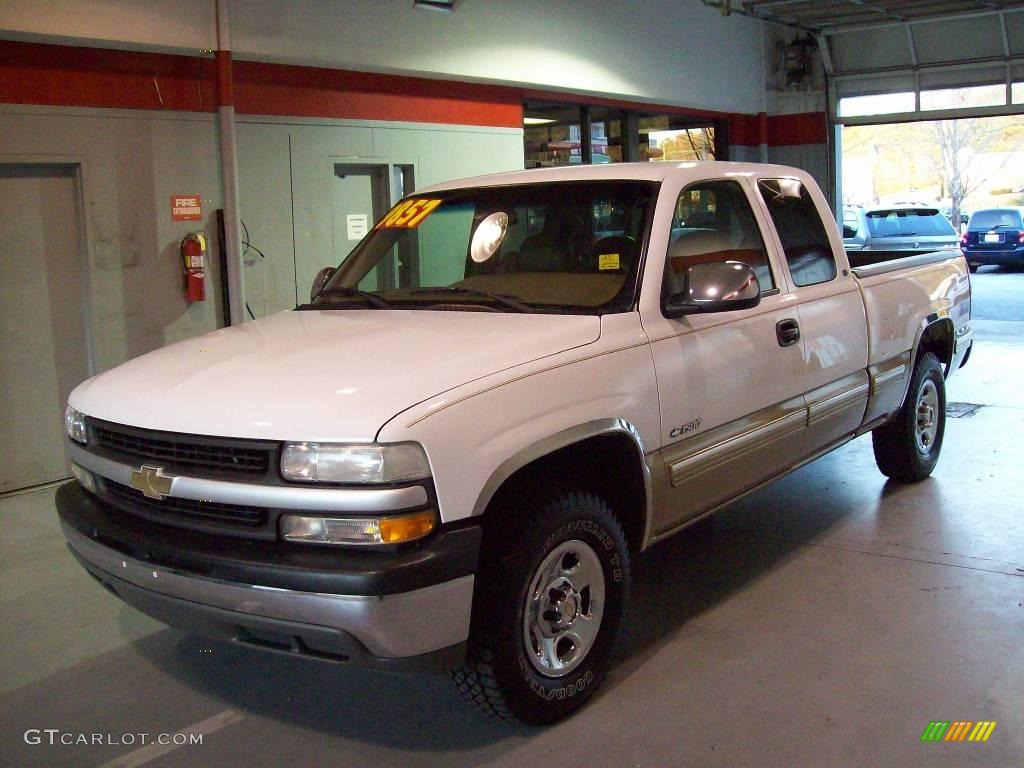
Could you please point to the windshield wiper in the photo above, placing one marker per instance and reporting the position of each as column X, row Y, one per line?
column 505, row 300
column 354, row 293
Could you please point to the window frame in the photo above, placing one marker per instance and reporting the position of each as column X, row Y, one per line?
column 625, row 300
column 744, row 195
column 632, row 143
column 838, row 269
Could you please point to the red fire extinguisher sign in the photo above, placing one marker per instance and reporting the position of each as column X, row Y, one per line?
column 186, row 207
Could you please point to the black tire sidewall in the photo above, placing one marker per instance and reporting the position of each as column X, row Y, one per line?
column 928, row 368
column 533, row 697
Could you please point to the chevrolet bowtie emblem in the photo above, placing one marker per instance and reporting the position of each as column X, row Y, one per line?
column 153, row 483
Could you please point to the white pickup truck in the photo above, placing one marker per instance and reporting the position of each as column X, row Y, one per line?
column 510, row 388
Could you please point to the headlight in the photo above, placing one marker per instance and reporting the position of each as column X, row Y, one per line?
column 394, row 529
column 356, row 463
column 74, row 424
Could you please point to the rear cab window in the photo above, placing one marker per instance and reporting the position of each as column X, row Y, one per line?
column 803, row 236
column 713, row 222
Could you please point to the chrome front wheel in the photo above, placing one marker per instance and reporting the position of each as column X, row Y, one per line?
column 907, row 446
column 550, row 591
column 564, row 606
column 927, row 424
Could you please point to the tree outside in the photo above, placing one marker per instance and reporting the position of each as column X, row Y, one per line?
column 684, row 145
column 957, row 165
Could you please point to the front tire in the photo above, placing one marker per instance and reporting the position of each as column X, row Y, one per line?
column 907, row 447
column 550, row 592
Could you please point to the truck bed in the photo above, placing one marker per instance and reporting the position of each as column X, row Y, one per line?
column 921, row 273
column 869, row 263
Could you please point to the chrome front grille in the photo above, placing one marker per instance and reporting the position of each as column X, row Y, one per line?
column 174, row 510
column 180, row 451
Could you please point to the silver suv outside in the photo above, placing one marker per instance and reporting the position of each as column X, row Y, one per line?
column 897, row 228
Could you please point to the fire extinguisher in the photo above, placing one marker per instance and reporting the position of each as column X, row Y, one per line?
column 193, row 249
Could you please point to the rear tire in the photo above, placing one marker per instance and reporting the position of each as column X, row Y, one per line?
column 550, row 591
column 907, row 446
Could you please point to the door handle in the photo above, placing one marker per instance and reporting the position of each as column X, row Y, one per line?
column 787, row 332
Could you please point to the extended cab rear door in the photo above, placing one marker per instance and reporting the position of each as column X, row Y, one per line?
column 828, row 305
column 730, row 392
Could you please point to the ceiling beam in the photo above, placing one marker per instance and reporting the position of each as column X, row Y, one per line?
column 929, row 115
column 980, row 63
column 836, row 29
column 838, row 16
column 825, row 51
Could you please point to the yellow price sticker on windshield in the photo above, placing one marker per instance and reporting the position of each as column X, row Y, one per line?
column 608, row 261
column 408, row 214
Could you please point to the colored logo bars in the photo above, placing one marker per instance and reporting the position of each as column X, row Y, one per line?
column 958, row 730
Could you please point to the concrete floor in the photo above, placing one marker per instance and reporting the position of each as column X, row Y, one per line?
column 822, row 621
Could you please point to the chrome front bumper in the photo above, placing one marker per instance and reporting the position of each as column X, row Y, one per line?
column 389, row 627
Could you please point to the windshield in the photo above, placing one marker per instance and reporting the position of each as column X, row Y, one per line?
column 909, row 222
column 551, row 247
column 995, row 219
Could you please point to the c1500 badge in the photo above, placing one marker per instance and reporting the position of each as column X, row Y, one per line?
column 685, row 429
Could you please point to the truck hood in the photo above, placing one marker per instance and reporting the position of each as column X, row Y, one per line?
column 320, row 375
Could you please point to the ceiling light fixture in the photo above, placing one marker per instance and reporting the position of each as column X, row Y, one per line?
column 448, row 6
column 537, row 120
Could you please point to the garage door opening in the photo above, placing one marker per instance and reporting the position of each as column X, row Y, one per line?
column 956, row 166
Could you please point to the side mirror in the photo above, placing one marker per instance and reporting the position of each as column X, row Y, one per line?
column 320, row 281
column 722, row 286
column 849, row 232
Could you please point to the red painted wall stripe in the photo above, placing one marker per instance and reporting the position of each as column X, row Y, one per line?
column 276, row 89
column 804, row 128
column 744, row 130
column 778, row 130
column 225, row 81
column 34, row 73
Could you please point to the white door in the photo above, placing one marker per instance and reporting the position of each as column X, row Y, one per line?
column 830, row 310
column 359, row 196
column 729, row 383
column 43, row 352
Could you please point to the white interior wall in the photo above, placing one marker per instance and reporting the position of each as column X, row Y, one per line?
column 663, row 51
column 131, row 165
column 167, row 25
column 265, row 205
column 805, row 97
column 132, row 162
column 812, row 158
column 265, row 150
